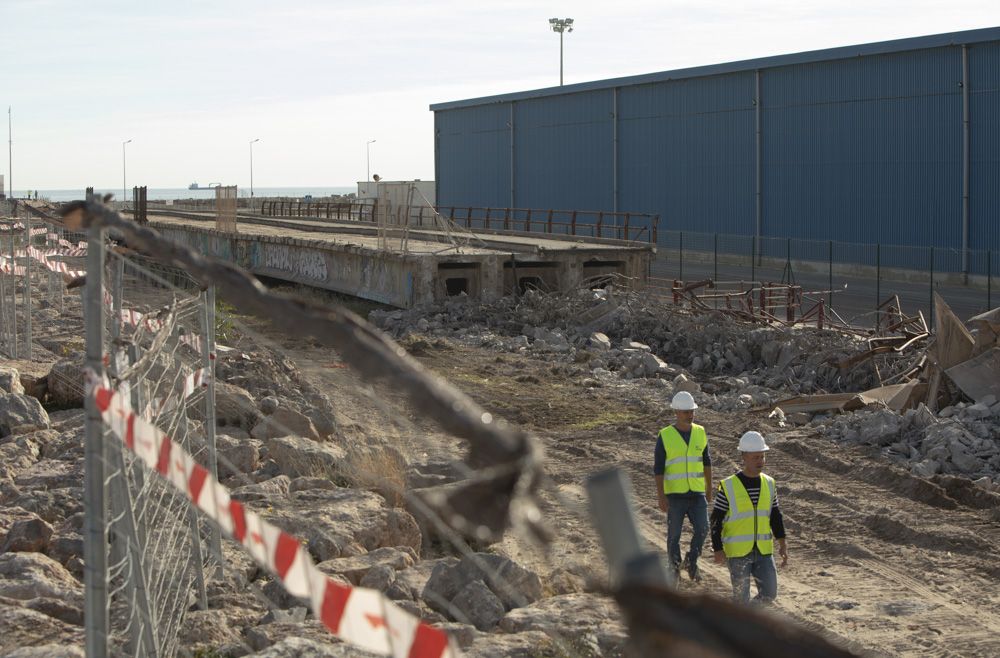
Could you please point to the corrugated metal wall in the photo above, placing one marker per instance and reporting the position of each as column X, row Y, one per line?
column 984, row 179
column 859, row 149
column 563, row 151
column 473, row 156
column 683, row 142
column 865, row 150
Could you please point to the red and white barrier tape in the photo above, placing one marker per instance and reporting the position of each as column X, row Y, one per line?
column 362, row 617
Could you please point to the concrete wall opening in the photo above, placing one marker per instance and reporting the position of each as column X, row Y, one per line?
column 457, row 278
column 456, row 286
column 602, row 273
column 527, row 275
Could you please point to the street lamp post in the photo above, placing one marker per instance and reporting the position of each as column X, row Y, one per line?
column 368, row 148
column 251, row 164
column 124, row 194
column 561, row 25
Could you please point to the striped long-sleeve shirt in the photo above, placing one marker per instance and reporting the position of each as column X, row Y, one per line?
column 722, row 506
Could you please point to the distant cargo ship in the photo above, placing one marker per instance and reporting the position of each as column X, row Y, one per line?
column 195, row 186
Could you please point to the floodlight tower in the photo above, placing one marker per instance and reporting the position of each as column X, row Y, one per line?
column 561, row 25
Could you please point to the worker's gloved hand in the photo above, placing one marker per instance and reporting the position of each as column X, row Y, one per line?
column 720, row 557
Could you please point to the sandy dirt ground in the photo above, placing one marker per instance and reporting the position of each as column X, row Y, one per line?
column 883, row 562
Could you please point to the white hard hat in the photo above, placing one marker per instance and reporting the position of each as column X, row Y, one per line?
column 683, row 401
column 752, row 442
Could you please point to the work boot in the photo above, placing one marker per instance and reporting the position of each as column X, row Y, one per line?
column 674, row 572
column 692, row 568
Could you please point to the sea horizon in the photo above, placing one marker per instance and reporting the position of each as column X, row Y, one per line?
column 179, row 193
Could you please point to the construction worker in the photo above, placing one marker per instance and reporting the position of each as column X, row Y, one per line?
column 745, row 522
column 682, row 468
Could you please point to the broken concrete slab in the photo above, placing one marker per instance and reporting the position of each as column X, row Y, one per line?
column 979, row 376
column 898, row 397
column 954, row 343
column 820, row 402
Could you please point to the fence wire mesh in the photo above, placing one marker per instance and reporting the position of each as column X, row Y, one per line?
column 853, row 278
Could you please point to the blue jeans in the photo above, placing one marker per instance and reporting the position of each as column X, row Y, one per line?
column 761, row 567
column 694, row 508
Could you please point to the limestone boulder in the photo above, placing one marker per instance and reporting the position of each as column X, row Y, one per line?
column 479, row 605
column 283, row 422
column 309, row 639
column 26, row 576
column 65, row 381
column 31, row 634
column 513, row 585
column 234, row 407
column 205, row 632
column 20, row 414
column 356, row 568
column 18, row 453
column 27, row 535
column 298, row 456
column 269, row 491
column 237, row 456
column 342, row 522
column 10, row 381
column 571, row 615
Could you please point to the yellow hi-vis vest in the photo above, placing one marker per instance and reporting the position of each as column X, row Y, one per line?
column 684, row 469
column 746, row 525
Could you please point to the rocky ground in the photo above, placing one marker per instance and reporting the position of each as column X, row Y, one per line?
column 892, row 518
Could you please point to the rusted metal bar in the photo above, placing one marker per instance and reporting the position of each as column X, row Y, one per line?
column 549, row 229
column 600, row 224
column 628, row 216
column 574, row 223
column 527, row 222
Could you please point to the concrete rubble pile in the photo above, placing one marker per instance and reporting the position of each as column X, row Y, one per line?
column 625, row 336
column 946, row 420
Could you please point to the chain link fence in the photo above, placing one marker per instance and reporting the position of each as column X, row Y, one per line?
column 853, row 278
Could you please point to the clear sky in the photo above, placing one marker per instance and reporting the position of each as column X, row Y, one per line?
column 191, row 83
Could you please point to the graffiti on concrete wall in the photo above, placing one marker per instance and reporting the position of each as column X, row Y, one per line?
column 303, row 263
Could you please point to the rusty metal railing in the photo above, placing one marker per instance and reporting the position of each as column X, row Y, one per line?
column 627, row 226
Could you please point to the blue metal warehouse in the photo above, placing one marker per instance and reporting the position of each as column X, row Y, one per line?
column 895, row 142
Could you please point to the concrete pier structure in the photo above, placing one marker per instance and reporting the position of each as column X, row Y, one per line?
column 404, row 268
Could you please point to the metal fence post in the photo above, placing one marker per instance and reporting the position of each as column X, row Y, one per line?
column 27, row 283
column 4, row 335
column 94, row 547
column 878, row 275
column 931, row 288
column 13, row 288
column 830, row 286
column 680, row 256
column 615, row 522
column 208, row 363
column 989, row 279
column 715, row 257
column 753, row 260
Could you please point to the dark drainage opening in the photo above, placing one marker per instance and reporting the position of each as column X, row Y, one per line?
column 599, row 282
column 456, row 286
column 526, row 283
